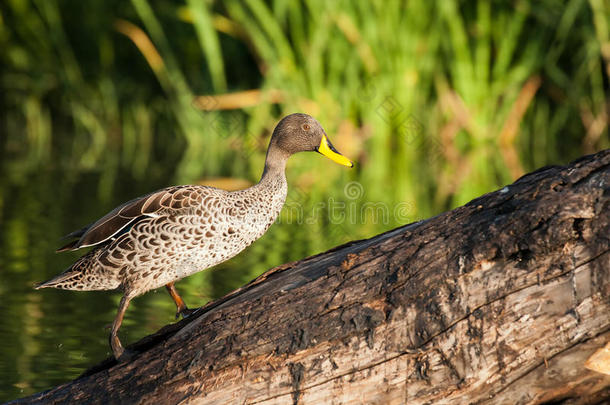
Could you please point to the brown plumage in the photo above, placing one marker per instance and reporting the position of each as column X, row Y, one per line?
column 162, row 237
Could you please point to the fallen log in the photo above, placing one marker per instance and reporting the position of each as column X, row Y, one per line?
column 500, row 301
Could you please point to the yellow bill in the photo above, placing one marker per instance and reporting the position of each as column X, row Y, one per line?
column 327, row 149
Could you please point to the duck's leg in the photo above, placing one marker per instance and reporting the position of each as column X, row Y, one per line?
column 181, row 308
column 115, row 343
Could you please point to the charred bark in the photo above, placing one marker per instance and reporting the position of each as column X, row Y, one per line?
column 499, row 301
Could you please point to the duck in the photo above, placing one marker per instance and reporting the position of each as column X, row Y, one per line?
column 160, row 238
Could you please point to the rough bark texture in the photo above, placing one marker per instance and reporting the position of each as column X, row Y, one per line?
column 500, row 301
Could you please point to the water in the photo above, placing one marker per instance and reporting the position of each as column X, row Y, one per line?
column 49, row 336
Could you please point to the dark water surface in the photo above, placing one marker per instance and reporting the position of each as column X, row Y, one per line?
column 50, row 336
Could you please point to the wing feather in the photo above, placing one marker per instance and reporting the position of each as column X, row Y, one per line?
column 131, row 212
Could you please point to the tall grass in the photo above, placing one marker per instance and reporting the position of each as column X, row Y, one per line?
column 453, row 93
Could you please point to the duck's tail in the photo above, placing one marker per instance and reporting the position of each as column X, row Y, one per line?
column 84, row 275
column 68, row 280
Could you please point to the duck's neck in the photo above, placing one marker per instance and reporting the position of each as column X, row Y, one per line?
column 275, row 165
column 272, row 189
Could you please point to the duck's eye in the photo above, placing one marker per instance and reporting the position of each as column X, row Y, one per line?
column 305, row 127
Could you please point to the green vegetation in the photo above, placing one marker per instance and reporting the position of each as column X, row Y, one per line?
column 437, row 102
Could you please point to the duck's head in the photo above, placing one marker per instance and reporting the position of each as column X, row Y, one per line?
column 303, row 133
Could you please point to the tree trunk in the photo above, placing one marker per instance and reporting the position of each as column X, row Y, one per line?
column 499, row 301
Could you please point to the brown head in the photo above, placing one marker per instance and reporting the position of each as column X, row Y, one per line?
column 303, row 133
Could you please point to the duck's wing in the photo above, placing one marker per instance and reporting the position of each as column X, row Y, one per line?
column 124, row 216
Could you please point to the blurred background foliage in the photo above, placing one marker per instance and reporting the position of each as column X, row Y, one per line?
column 102, row 101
